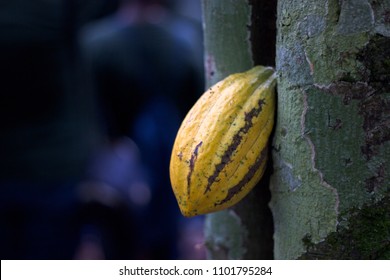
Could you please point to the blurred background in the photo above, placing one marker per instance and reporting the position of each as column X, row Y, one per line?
column 92, row 94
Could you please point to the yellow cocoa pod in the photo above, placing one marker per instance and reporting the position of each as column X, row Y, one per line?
column 220, row 151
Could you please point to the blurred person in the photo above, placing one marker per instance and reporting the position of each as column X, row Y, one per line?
column 48, row 126
column 147, row 76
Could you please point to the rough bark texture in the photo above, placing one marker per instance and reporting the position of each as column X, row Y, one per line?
column 233, row 43
column 330, row 187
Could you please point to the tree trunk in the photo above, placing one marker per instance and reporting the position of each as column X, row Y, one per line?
column 239, row 35
column 330, row 187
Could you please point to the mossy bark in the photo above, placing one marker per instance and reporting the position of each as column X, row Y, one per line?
column 233, row 43
column 331, row 146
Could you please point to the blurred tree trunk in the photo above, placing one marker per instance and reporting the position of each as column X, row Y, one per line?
column 330, row 187
column 330, row 183
column 239, row 35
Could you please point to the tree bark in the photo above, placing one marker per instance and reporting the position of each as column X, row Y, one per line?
column 330, row 190
column 239, row 35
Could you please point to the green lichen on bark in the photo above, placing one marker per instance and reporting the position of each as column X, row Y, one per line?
column 363, row 231
column 356, row 132
column 366, row 237
column 331, row 140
